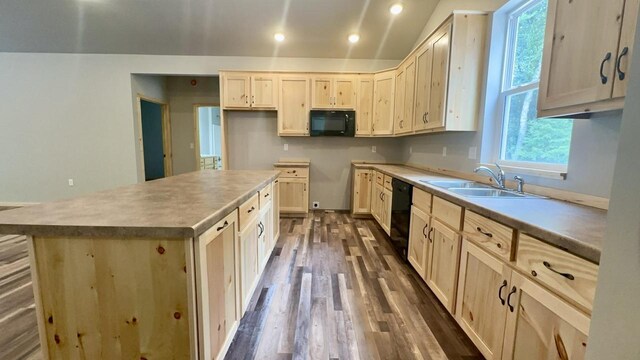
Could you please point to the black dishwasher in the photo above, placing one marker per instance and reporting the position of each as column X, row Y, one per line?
column 400, row 216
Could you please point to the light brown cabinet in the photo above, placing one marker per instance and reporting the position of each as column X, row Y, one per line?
column 275, row 212
column 265, row 236
column 294, row 196
column 424, row 59
column 404, row 97
column 248, row 261
column 333, row 92
column 381, row 206
column 362, row 191
column 439, row 79
column 376, row 202
column 364, row 108
column 247, row 90
column 419, row 249
column 595, row 80
column 442, row 274
column 383, row 102
column 293, row 109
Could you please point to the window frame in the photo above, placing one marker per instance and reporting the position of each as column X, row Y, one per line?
column 506, row 89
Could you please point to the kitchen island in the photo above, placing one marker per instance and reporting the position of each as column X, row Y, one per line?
column 150, row 270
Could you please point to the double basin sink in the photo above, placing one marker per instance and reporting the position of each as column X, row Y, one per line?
column 475, row 189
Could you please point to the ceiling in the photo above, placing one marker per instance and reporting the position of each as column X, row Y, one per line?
column 313, row 28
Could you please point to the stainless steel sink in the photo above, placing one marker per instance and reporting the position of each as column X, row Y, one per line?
column 487, row 193
column 448, row 184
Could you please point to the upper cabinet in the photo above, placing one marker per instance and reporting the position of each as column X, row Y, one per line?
column 405, row 90
column 383, row 99
column 596, row 79
column 364, row 106
column 293, row 107
column 333, row 92
column 424, row 58
column 245, row 91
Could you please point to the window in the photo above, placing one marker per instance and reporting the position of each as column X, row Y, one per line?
column 526, row 140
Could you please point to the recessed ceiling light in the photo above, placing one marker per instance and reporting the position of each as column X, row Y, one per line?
column 354, row 38
column 396, row 9
column 279, row 37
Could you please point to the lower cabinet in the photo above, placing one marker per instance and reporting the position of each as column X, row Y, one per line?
column 217, row 258
column 265, row 236
column 248, row 261
column 294, row 195
column 386, row 210
column 442, row 274
column 419, row 241
column 508, row 316
column 361, row 191
column 376, row 202
column 275, row 212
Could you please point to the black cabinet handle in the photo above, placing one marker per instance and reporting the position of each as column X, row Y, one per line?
column 429, row 235
column 621, row 74
column 567, row 275
column 487, row 234
column 266, row 195
column 226, row 223
column 603, row 77
column 425, row 229
column 504, row 285
column 513, row 291
column 261, row 227
column 250, row 210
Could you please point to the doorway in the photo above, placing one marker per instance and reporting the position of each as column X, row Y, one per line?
column 155, row 138
column 208, row 135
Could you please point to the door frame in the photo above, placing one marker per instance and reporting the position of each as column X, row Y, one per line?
column 166, row 133
column 196, row 134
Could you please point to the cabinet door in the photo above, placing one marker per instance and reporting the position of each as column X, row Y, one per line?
column 386, row 210
column 248, row 261
column 542, row 326
column 322, row 92
column 399, row 123
column 424, row 58
column 344, row 96
column 236, row 91
column 409, row 94
column 383, row 94
column 418, row 241
column 294, row 197
column 590, row 28
column 439, row 78
column 264, row 91
column 362, row 191
column 293, row 109
column 443, row 265
column 625, row 49
column 264, row 237
column 364, row 111
column 275, row 211
column 481, row 302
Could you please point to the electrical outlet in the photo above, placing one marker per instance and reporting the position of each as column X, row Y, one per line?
column 473, row 152
column 316, row 204
column 373, row 149
column 444, row 151
column 70, row 182
column 410, row 149
column 191, row 145
column 286, row 147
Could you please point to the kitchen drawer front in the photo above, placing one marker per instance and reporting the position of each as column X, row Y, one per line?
column 387, row 182
column 294, row 172
column 492, row 236
column 422, row 200
column 213, row 232
column 248, row 211
column 568, row 275
column 447, row 212
column 379, row 178
column 265, row 196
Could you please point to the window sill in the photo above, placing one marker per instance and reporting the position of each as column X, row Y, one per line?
column 545, row 173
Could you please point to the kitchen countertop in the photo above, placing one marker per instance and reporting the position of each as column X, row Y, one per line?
column 575, row 228
column 174, row 207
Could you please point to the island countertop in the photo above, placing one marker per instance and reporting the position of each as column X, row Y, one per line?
column 175, row 207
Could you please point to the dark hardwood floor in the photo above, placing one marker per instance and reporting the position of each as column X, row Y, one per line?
column 334, row 289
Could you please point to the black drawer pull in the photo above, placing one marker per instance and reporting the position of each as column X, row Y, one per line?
column 504, row 285
column 621, row 74
column 603, row 77
column 567, row 275
column 513, row 291
column 226, row 223
column 266, row 195
column 487, row 234
column 250, row 210
column 424, row 229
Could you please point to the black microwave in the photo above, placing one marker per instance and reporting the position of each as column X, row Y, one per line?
column 332, row 123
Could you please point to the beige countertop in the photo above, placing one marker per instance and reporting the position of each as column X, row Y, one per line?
column 175, row 207
column 576, row 228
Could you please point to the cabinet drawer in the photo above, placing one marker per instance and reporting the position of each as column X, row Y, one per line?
column 213, row 232
column 294, row 172
column 248, row 211
column 265, row 196
column 422, row 200
column 447, row 212
column 489, row 234
column 379, row 178
column 568, row 275
column 387, row 182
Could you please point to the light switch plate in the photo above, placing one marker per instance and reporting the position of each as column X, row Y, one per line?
column 70, row 182
column 373, row 149
column 191, row 146
column 286, row 147
column 444, row 151
column 473, row 152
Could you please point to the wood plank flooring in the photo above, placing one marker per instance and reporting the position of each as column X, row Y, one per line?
column 334, row 289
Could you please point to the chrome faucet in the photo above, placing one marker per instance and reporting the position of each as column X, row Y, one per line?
column 498, row 178
column 520, row 182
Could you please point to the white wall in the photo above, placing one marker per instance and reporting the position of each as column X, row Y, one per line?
column 71, row 115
